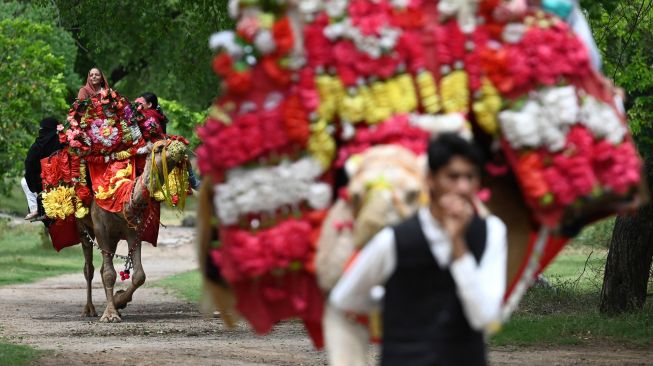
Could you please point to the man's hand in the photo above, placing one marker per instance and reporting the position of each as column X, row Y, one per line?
column 457, row 213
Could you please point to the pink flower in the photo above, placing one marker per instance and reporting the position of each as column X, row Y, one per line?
column 247, row 27
column 245, row 255
column 559, row 186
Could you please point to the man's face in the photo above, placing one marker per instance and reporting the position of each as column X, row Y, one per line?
column 460, row 176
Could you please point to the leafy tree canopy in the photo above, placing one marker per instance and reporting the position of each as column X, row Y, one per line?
column 36, row 72
column 159, row 46
column 624, row 33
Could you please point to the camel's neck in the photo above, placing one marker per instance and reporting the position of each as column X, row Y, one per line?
column 141, row 193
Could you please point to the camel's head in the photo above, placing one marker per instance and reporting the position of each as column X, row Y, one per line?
column 169, row 171
column 386, row 185
column 174, row 151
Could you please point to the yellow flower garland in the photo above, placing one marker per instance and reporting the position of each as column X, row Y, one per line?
column 177, row 185
column 455, row 92
column 58, row 202
column 407, row 95
column 352, row 108
column 382, row 107
column 331, row 92
column 487, row 107
column 321, row 145
column 428, row 92
column 80, row 210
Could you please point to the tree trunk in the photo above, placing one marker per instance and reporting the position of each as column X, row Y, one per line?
column 628, row 265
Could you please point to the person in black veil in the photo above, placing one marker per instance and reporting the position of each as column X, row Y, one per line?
column 46, row 143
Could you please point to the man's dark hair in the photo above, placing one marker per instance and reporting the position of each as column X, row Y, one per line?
column 447, row 145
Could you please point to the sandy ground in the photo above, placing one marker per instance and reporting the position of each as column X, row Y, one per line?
column 159, row 329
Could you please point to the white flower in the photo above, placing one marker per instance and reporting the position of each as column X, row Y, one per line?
column 399, row 4
column 336, row 8
column 442, row 123
column 309, row 7
column 554, row 138
column 272, row 100
column 464, row 10
column 247, row 106
column 319, row 196
column 267, row 189
column 226, row 40
column 233, row 7
column 334, row 31
column 348, row 131
column 389, row 38
column 602, row 120
column 543, row 121
column 449, row 7
column 521, row 127
column 513, row 32
column 264, row 42
column 560, row 104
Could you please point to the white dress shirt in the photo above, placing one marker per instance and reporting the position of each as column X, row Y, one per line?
column 480, row 286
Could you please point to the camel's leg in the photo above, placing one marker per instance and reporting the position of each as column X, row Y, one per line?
column 111, row 314
column 138, row 278
column 89, row 309
column 345, row 341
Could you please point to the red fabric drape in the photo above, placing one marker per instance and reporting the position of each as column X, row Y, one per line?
column 63, row 233
column 101, row 176
column 273, row 298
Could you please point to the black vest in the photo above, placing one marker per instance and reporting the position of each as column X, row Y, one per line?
column 423, row 319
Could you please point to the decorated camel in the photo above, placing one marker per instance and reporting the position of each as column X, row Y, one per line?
column 130, row 176
column 110, row 227
column 309, row 85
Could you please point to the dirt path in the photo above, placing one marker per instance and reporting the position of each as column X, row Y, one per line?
column 158, row 329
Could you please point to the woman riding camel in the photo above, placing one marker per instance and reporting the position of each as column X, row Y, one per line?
column 95, row 83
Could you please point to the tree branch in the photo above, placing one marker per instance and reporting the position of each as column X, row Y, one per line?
column 630, row 35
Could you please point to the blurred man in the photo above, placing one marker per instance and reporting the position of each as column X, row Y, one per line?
column 444, row 269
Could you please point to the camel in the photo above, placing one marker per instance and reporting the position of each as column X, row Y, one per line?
column 385, row 187
column 109, row 227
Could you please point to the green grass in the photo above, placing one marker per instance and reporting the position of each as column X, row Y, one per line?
column 185, row 285
column 14, row 202
column 634, row 329
column 567, row 312
column 23, row 258
column 16, row 354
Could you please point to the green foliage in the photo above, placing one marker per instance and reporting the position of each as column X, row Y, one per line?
column 182, row 121
column 597, row 235
column 161, row 46
column 23, row 259
column 36, row 70
column 624, row 33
